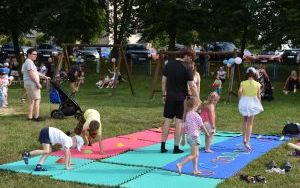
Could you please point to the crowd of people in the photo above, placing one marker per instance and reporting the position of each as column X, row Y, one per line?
column 181, row 83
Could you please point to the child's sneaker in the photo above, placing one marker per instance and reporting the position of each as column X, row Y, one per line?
column 25, row 157
column 39, row 168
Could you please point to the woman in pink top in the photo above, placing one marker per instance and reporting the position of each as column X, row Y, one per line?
column 191, row 126
column 208, row 116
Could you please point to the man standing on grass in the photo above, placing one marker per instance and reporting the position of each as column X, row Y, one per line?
column 31, row 78
column 175, row 81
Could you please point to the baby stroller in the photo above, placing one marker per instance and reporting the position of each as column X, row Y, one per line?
column 266, row 91
column 67, row 105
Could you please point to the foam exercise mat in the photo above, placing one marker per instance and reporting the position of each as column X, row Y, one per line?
column 102, row 174
column 229, row 157
column 150, row 156
column 162, row 179
column 112, row 146
column 146, row 135
column 52, row 167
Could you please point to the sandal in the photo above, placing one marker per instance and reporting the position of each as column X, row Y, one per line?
column 260, row 178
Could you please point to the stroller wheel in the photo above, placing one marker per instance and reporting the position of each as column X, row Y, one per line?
column 57, row 114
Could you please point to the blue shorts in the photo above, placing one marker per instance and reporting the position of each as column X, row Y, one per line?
column 44, row 136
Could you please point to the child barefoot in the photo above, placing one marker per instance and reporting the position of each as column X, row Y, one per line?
column 249, row 103
column 51, row 135
column 192, row 125
column 208, row 116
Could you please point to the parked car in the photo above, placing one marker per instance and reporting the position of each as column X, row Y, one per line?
column 224, row 47
column 8, row 49
column 48, row 50
column 137, row 53
column 87, row 53
column 267, row 56
column 291, row 56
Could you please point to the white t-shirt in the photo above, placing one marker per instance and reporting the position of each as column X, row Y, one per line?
column 27, row 66
column 58, row 137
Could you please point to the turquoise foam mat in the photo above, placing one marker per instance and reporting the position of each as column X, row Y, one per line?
column 106, row 174
column 162, row 179
column 52, row 167
column 150, row 156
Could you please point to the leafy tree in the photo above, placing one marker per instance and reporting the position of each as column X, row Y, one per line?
column 168, row 16
column 16, row 18
column 70, row 20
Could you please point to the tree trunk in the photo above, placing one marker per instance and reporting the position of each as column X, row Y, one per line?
column 15, row 36
column 172, row 41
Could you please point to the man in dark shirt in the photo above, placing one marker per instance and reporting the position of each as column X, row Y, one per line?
column 175, row 81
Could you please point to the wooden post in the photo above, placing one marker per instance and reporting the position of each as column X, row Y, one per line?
column 127, row 69
column 230, row 85
column 159, row 64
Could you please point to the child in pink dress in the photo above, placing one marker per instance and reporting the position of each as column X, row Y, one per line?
column 192, row 125
column 208, row 116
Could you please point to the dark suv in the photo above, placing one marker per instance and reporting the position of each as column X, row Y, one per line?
column 226, row 47
column 137, row 53
column 291, row 56
column 48, row 50
column 8, row 50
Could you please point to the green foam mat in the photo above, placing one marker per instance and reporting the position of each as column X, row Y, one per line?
column 150, row 156
column 106, row 174
column 228, row 134
column 162, row 179
column 52, row 167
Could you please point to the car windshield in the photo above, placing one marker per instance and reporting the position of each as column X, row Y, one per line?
column 45, row 46
column 89, row 48
column 228, row 47
column 136, row 47
column 267, row 53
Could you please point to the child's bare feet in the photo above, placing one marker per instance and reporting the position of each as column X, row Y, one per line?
column 209, row 151
column 197, row 172
column 179, row 167
column 248, row 147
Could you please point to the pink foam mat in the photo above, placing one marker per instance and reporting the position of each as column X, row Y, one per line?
column 111, row 147
column 159, row 130
column 147, row 135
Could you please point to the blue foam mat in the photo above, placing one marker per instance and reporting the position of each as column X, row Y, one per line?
column 52, row 167
column 98, row 173
column 150, row 156
column 237, row 159
column 162, row 179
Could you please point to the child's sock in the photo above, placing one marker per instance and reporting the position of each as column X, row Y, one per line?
column 163, row 147
column 177, row 150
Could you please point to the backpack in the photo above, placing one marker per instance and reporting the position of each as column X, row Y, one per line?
column 54, row 96
column 291, row 128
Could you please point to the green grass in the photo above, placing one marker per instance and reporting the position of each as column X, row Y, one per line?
column 123, row 113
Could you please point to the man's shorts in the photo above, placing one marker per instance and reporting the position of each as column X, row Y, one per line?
column 173, row 109
column 33, row 92
column 193, row 140
column 44, row 136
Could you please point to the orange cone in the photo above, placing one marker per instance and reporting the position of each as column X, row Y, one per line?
column 61, row 160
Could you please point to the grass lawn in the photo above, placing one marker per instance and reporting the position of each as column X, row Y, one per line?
column 124, row 114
